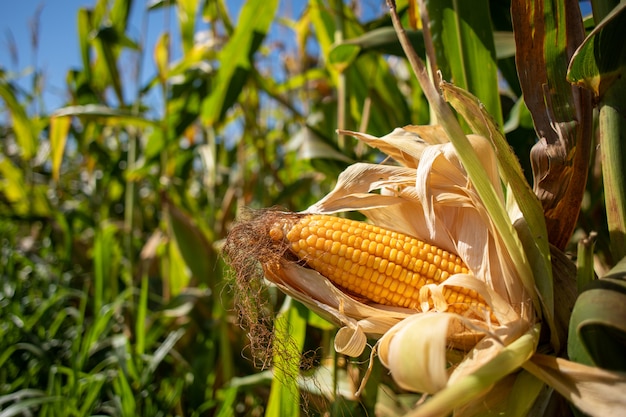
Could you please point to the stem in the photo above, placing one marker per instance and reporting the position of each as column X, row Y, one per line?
column 584, row 267
column 612, row 125
column 341, row 81
column 428, row 40
column 436, row 101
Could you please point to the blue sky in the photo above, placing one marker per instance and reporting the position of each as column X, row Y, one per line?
column 58, row 48
column 58, row 45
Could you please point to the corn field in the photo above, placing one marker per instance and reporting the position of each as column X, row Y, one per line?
column 218, row 239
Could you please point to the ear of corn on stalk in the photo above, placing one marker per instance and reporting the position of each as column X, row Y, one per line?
column 377, row 264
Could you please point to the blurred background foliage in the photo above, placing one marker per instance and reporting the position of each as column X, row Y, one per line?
column 114, row 297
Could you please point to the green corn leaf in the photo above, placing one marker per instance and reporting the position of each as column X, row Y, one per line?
column 93, row 387
column 235, row 59
column 591, row 66
column 383, row 40
column 343, row 55
column 106, row 43
column 187, row 11
column 84, row 29
column 289, row 332
column 367, row 77
column 106, row 264
column 24, row 199
column 194, row 246
column 124, row 392
column 27, row 406
column 465, row 50
column 105, row 115
column 13, row 186
column 161, row 56
column 178, row 274
column 597, row 334
column 24, row 129
column 59, row 129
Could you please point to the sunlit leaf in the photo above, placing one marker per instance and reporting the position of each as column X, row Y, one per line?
column 25, row 133
column 193, row 244
column 368, row 78
column 464, row 46
column 59, row 129
column 254, row 22
column 187, row 11
column 161, row 56
column 591, row 66
column 178, row 273
column 342, row 55
column 106, row 115
column 384, row 40
column 84, row 28
column 23, row 199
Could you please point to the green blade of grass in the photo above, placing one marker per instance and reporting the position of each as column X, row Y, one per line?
column 142, row 314
column 26, row 407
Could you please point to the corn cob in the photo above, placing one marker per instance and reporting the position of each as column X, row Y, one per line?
column 380, row 265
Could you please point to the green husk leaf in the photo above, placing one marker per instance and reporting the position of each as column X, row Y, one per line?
column 462, row 391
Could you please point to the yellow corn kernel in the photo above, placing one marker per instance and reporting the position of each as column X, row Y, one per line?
column 381, row 265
